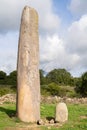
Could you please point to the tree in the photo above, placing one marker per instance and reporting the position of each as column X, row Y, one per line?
column 59, row 76
column 12, row 78
column 42, row 77
column 2, row 77
column 81, row 86
column 53, row 89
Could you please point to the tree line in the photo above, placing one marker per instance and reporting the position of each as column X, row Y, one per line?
column 54, row 83
column 10, row 79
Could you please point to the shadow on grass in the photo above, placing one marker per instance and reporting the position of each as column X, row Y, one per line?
column 50, row 118
column 10, row 113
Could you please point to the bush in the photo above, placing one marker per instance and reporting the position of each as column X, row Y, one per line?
column 2, row 77
column 67, row 91
column 44, row 91
column 50, row 89
column 81, row 86
column 53, row 89
column 60, row 77
column 6, row 90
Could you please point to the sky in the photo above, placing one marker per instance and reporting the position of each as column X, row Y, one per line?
column 62, row 34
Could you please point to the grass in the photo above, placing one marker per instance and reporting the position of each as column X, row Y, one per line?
column 5, row 119
column 77, row 116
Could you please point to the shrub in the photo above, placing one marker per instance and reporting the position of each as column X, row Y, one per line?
column 53, row 89
column 44, row 90
column 81, row 86
column 6, row 90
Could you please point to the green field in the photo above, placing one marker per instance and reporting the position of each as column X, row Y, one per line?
column 77, row 117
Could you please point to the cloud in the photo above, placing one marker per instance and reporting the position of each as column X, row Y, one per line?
column 53, row 54
column 77, row 36
column 10, row 13
column 76, row 44
column 48, row 20
column 69, row 52
column 78, row 7
column 8, row 51
column 51, row 47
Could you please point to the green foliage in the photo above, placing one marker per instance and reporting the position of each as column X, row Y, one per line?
column 12, row 78
column 44, row 90
column 51, row 89
column 77, row 117
column 5, row 112
column 47, row 110
column 54, row 89
column 78, row 86
column 43, row 79
column 67, row 91
column 6, row 89
column 51, row 83
column 81, row 86
column 59, row 76
column 2, row 77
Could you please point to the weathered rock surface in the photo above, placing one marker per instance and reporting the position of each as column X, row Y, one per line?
column 12, row 98
column 61, row 114
column 8, row 98
column 28, row 84
column 56, row 99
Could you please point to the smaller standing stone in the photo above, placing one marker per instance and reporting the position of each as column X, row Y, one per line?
column 61, row 114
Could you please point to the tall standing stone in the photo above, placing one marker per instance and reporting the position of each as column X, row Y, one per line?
column 28, row 85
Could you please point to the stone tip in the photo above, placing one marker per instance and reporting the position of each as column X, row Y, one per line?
column 29, row 8
column 26, row 6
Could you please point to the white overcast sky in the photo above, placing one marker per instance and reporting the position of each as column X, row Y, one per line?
column 62, row 34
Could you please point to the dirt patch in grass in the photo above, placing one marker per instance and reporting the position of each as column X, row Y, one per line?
column 83, row 117
column 31, row 128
